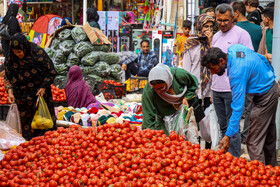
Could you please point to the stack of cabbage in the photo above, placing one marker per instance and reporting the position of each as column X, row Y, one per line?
column 72, row 47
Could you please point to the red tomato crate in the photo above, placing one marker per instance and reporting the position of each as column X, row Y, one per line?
column 120, row 91
column 111, row 91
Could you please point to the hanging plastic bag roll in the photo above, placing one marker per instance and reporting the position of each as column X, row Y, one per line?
column 13, row 118
column 42, row 118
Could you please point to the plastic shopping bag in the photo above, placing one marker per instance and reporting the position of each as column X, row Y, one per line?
column 42, row 118
column 1, row 155
column 183, row 123
column 204, row 125
column 214, row 127
column 13, row 118
column 9, row 137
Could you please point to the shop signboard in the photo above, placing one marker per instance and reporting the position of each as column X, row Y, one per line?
column 103, row 21
column 157, row 43
column 167, row 48
column 113, row 18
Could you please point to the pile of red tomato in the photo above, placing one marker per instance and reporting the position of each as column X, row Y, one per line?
column 112, row 82
column 120, row 155
column 58, row 94
column 4, row 96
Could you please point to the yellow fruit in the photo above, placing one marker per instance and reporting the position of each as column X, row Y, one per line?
column 39, row 122
column 48, row 123
column 34, row 125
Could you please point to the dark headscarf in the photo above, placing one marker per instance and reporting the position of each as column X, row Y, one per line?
column 12, row 11
column 202, row 40
column 20, row 42
column 92, row 15
column 77, row 91
column 31, row 54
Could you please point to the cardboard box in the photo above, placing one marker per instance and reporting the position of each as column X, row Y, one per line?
column 96, row 36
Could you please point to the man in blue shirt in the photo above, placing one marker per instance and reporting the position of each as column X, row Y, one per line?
column 249, row 73
column 142, row 63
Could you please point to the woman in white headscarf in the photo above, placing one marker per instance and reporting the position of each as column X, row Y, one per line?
column 168, row 88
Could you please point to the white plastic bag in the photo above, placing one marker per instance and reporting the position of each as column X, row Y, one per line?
column 214, row 127
column 204, row 125
column 183, row 123
column 13, row 118
column 100, row 98
column 175, row 122
column 1, row 155
column 9, row 137
column 191, row 131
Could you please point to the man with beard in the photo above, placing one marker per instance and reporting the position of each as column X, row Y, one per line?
column 228, row 35
column 249, row 73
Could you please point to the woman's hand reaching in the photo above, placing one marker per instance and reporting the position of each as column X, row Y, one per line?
column 185, row 102
column 41, row 92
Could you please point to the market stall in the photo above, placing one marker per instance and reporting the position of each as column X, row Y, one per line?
column 121, row 155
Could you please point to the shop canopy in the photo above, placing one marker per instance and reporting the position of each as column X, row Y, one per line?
column 43, row 27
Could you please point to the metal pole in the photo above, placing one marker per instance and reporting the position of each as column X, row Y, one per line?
column 193, row 15
column 5, row 7
column 276, row 60
column 84, row 12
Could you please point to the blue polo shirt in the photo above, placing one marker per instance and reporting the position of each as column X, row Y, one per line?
column 249, row 73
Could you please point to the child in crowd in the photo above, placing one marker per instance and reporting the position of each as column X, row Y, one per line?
column 187, row 25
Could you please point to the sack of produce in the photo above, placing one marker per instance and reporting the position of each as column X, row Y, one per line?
column 125, row 55
column 110, row 58
column 83, row 48
column 91, row 81
column 87, row 70
column 96, row 77
column 50, row 52
column 62, row 69
column 55, row 43
column 67, row 47
column 116, row 71
column 42, row 118
column 61, row 81
column 104, row 48
column 65, row 35
column 58, row 57
column 73, row 59
column 102, row 69
column 91, row 58
column 78, row 34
